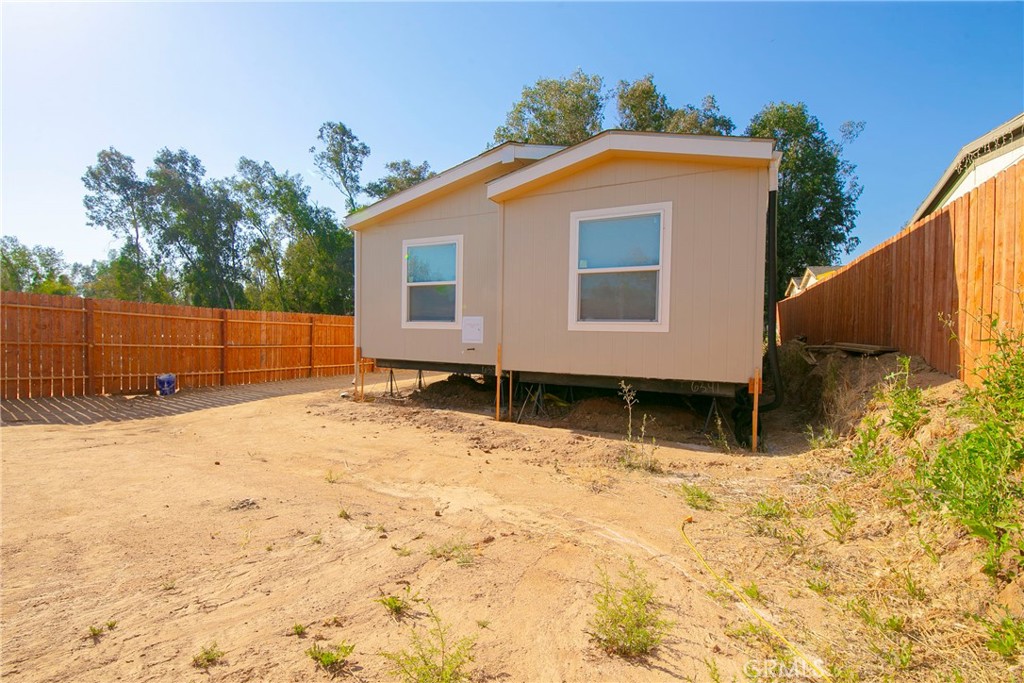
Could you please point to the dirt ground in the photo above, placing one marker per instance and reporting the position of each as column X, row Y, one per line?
column 227, row 525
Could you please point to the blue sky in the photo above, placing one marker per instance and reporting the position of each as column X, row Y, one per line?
column 432, row 81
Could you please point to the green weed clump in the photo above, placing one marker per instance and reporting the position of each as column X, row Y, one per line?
column 907, row 411
column 332, row 659
column 868, row 456
column 208, row 656
column 433, row 656
column 628, row 621
column 398, row 606
column 1006, row 636
column 978, row 478
column 697, row 497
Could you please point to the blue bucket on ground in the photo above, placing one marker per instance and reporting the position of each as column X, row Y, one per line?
column 166, row 384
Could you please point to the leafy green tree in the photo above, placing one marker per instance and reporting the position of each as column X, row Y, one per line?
column 818, row 188
column 641, row 106
column 199, row 224
column 401, row 175
column 121, row 277
column 703, row 120
column 340, row 160
column 561, row 111
column 38, row 269
column 300, row 258
column 118, row 200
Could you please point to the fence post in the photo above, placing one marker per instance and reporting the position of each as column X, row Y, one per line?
column 224, row 347
column 312, row 339
column 91, row 366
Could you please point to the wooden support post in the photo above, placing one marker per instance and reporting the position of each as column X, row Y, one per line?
column 509, row 395
column 497, row 387
column 755, row 389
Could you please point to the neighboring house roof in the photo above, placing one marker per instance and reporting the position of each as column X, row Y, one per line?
column 620, row 143
column 976, row 162
column 448, row 180
column 818, row 271
column 793, row 288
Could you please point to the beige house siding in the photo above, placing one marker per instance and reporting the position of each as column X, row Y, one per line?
column 717, row 273
column 466, row 212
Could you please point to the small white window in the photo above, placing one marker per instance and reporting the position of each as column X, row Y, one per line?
column 619, row 268
column 432, row 282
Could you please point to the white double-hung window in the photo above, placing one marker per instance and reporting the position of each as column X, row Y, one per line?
column 432, row 282
column 619, row 268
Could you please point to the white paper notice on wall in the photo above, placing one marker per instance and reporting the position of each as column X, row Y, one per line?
column 472, row 329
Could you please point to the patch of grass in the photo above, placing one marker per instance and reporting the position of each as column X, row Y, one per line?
column 826, row 438
column 637, row 453
column 317, row 539
column 697, row 497
column 401, row 550
column 752, row 591
column 344, row 514
column 398, row 606
column 433, row 656
column 819, row 586
column 978, row 478
column 907, row 412
column 756, row 634
column 299, row 630
column 628, row 621
column 331, row 658
column 95, row 632
column 1006, row 636
column 865, row 611
column 867, row 456
column 111, row 625
column 482, row 623
column 714, row 675
column 167, row 586
column 453, row 550
column 208, row 656
column 911, row 586
column 769, row 508
column 842, row 518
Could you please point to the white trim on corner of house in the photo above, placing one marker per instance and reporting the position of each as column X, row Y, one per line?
column 432, row 325
column 664, row 270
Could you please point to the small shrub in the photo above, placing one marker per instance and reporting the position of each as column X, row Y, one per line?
column 95, row 632
column 819, row 586
column 628, row 621
column 752, row 591
column 111, row 625
column 332, row 477
column 433, row 656
column 332, row 659
column 769, row 508
column 868, row 456
column 344, row 514
column 299, row 630
column 208, row 656
column 865, row 611
column 398, row 606
column 907, row 412
column 1006, row 636
column 401, row 550
column 697, row 497
column 842, row 517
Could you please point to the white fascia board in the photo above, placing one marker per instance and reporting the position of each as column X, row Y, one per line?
column 638, row 143
column 505, row 154
column 773, row 171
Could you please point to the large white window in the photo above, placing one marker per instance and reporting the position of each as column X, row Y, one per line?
column 619, row 268
column 432, row 282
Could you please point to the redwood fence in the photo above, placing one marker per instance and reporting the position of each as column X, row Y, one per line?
column 931, row 289
column 68, row 346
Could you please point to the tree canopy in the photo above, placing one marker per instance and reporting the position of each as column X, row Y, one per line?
column 340, row 160
column 401, row 175
column 556, row 111
column 818, row 189
column 642, row 107
column 40, row 270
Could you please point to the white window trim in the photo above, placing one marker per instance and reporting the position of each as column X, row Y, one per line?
column 664, row 269
column 429, row 324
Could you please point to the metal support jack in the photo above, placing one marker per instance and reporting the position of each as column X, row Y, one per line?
column 420, row 386
column 392, row 384
column 711, row 411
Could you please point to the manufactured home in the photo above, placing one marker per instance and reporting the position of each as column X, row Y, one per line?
column 635, row 256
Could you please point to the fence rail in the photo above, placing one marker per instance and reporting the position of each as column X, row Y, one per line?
column 930, row 289
column 67, row 346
